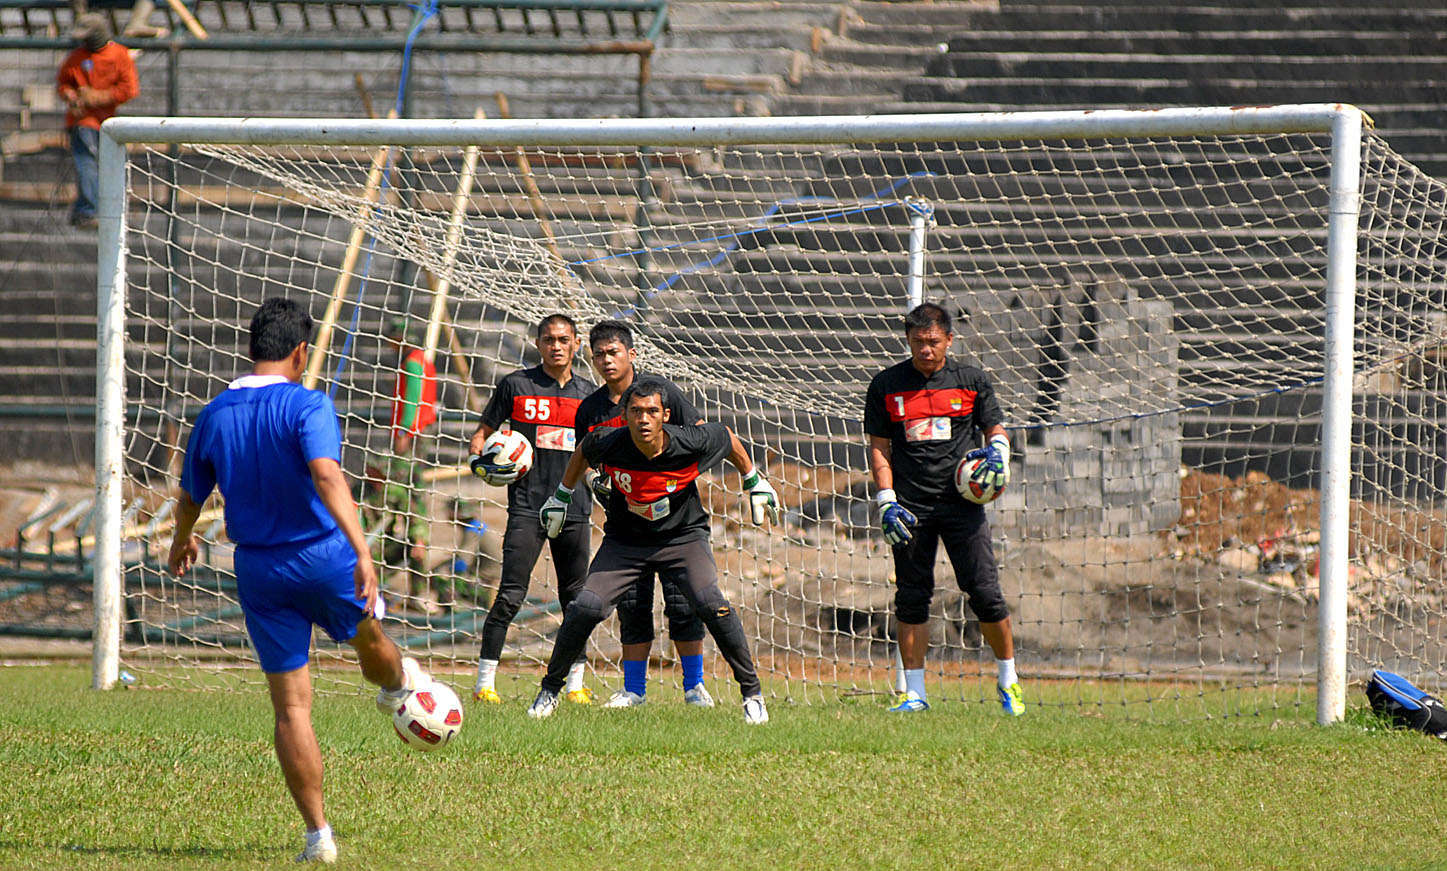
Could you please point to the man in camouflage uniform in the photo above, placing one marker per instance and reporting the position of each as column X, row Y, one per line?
column 393, row 489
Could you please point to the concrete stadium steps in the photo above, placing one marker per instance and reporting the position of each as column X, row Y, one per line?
column 718, row 58
column 1192, row 66
column 1305, row 44
column 1043, row 91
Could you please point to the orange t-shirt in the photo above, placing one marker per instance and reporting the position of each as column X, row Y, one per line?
column 108, row 69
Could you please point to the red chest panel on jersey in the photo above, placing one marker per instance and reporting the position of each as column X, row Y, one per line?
column 915, row 404
column 555, row 410
column 647, row 485
column 614, row 421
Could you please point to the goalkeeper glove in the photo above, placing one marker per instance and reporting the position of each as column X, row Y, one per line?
column 600, row 484
column 894, row 519
column 762, row 499
column 995, row 472
column 555, row 510
column 494, row 473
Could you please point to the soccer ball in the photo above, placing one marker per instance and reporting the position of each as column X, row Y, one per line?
column 972, row 489
column 508, row 447
column 431, row 717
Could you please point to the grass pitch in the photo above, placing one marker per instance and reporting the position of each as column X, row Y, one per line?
column 169, row 779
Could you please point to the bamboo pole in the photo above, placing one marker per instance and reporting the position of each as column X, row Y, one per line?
column 349, row 263
column 178, row 7
column 361, row 87
column 459, row 354
column 443, row 285
column 535, row 197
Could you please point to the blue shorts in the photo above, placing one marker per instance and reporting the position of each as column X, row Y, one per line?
column 285, row 590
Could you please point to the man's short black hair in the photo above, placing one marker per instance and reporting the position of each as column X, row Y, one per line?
column 277, row 328
column 558, row 318
column 604, row 332
column 644, row 385
column 926, row 315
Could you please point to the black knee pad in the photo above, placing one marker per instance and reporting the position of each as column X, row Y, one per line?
column 588, row 605
column 683, row 624
column 635, row 626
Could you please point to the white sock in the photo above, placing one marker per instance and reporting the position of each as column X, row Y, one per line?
column 1007, row 672
column 575, row 677
column 914, row 682
column 320, row 835
column 486, row 674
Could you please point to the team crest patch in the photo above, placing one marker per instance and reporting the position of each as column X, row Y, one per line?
column 670, row 484
column 956, row 403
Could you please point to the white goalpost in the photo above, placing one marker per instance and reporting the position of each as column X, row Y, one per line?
column 1215, row 334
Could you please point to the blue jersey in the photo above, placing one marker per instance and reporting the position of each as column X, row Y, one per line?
column 254, row 442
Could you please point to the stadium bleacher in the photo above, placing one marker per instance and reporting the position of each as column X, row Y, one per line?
column 718, row 57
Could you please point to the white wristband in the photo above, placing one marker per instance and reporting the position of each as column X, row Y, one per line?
column 884, row 497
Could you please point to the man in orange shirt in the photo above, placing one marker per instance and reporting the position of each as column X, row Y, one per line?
column 95, row 79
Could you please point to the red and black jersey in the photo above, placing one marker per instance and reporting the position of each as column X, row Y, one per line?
column 655, row 501
column 930, row 423
column 600, row 411
column 544, row 411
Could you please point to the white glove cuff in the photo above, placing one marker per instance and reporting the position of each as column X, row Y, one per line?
column 884, row 497
column 1003, row 442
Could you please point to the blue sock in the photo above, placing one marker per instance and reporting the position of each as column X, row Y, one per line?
column 692, row 670
column 635, row 676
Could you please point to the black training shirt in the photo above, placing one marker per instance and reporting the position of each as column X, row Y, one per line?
column 533, row 403
column 656, row 501
column 599, row 410
column 930, row 423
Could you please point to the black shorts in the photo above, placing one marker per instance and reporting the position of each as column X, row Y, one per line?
column 966, row 537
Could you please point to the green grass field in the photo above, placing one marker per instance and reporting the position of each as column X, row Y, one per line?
column 169, row 779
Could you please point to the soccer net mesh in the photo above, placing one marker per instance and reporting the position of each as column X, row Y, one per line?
column 1151, row 311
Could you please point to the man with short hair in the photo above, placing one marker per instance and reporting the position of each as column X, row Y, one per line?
column 273, row 448
column 613, row 354
column 656, row 524
column 923, row 415
column 541, row 403
column 94, row 80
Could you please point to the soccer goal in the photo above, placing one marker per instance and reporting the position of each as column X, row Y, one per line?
column 1216, row 333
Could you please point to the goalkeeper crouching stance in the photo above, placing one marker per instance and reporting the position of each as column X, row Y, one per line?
column 655, row 524
column 273, row 449
column 922, row 415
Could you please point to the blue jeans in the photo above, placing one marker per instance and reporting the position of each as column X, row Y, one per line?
column 84, row 146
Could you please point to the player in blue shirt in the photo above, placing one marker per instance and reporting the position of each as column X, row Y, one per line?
column 273, row 448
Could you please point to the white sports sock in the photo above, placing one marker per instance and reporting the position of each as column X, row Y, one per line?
column 575, row 677
column 914, row 682
column 486, row 674
column 1007, row 672
column 320, row 835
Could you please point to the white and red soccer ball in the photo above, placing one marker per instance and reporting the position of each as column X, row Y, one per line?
column 969, row 480
column 508, row 447
column 429, row 718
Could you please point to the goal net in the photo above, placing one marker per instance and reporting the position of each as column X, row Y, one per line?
column 1152, row 309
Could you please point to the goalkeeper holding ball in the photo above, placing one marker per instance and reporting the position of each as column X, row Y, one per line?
column 541, row 403
column 921, row 416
